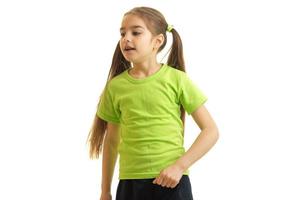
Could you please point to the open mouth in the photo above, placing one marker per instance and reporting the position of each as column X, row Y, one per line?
column 127, row 48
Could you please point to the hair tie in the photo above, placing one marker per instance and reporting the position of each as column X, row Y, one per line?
column 169, row 28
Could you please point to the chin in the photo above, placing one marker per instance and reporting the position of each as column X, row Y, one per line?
column 130, row 59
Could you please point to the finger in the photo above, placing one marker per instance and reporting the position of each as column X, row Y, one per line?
column 154, row 181
column 174, row 184
column 168, row 183
column 164, row 182
column 161, row 180
column 157, row 180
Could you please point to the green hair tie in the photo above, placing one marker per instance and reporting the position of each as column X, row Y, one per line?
column 169, row 28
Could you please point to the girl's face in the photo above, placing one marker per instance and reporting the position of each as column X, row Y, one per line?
column 137, row 43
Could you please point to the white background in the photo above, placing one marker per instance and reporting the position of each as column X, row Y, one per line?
column 54, row 59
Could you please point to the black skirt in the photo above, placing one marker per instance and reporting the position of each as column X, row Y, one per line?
column 144, row 189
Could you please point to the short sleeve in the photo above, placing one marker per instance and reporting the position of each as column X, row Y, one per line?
column 191, row 97
column 107, row 107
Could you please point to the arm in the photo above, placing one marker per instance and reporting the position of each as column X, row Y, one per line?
column 208, row 136
column 204, row 142
column 110, row 154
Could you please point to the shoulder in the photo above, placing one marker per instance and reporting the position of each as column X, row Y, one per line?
column 176, row 73
column 116, row 81
column 175, row 70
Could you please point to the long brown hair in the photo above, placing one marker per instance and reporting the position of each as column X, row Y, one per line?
column 157, row 24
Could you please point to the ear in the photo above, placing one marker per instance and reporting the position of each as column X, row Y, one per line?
column 159, row 40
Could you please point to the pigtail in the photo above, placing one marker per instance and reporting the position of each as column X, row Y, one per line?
column 176, row 60
column 99, row 126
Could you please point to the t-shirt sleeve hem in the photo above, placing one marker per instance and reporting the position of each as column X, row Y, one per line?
column 107, row 118
column 192, row 108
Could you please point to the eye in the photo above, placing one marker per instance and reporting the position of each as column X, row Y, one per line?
column 122, row 34
column 135, row 33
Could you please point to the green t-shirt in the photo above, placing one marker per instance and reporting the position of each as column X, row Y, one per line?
column 148, row 111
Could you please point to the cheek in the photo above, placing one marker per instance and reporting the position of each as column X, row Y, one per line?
column 146, row 44
column 120, row 44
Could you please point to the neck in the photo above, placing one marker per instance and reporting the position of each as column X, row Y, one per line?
column 145, row 68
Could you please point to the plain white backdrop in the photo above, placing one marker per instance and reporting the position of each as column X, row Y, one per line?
column 54, row 59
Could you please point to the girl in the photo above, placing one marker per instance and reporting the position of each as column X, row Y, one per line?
column 141, row 111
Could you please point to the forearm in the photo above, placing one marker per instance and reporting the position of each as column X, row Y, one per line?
column 202, row 144
column 109, row 158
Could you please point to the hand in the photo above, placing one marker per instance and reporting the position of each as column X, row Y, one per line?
column 169, row 177
column 105, row 196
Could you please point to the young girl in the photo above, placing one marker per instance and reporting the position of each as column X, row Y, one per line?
column 141, row 115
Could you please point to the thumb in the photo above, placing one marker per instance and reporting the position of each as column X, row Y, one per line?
column 154, row 181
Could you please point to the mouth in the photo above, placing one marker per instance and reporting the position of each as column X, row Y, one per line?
column 128, row 48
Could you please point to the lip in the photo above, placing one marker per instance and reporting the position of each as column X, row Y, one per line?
column 128, row 48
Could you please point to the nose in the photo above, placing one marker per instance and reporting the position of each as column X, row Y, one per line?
column 127, row 38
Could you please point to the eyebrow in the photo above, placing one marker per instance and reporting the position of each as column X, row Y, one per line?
column 132, row 27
